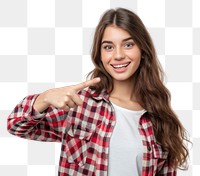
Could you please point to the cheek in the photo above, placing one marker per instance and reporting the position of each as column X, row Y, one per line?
column 137, row 62
column 134, row 53
column 135, row 56
column 106, row 58
column 105, row 63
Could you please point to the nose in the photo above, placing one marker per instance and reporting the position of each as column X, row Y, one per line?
column 119, row 53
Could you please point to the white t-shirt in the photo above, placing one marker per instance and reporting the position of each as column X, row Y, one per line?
column 126, row 149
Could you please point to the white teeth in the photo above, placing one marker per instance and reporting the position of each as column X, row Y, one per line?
column 120, row 66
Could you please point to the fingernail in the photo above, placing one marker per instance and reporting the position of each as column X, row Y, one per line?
column 98, row 78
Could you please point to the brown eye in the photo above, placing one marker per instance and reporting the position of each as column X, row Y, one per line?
column 129, row 45
column 108, row 47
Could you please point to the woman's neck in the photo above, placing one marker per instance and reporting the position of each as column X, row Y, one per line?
column 123, row 95
column 123, row 90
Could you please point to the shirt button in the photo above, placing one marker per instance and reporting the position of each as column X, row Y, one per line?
column 91, row 150
column 149, row 148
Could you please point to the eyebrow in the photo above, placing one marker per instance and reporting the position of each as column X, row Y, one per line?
column 124, row 40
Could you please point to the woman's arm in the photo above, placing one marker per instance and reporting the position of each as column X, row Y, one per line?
column 26, row 122
column 41, row 117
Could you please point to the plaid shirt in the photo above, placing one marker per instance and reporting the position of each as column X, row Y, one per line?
column 85, row 133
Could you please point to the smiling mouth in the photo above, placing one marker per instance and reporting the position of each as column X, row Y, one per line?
column 120, row 65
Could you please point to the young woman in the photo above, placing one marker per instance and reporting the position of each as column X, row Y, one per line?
column 118, row 123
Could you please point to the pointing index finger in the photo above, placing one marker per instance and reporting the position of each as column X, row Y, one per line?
column 86, row 84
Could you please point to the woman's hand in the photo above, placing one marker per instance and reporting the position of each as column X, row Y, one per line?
column 63, row 98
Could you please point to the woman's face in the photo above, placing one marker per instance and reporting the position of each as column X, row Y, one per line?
column 119, row 53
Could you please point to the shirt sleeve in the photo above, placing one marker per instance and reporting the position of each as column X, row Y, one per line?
column 24, row 121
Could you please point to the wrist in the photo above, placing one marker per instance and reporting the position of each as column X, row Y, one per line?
column 41, row 103
column 44, row 98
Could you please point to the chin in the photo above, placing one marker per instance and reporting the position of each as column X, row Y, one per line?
column 121, row 78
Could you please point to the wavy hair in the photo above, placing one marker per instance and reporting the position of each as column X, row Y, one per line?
column 148, row 83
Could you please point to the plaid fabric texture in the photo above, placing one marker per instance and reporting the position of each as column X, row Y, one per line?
column 85, row 133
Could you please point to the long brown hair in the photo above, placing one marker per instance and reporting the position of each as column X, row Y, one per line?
column 148, row 83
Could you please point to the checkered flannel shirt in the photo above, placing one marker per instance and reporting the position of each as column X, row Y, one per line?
column 85, row 133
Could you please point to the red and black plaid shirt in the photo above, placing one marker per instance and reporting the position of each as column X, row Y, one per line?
column 85, row 133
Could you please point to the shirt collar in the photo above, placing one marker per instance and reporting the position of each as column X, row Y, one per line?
column 103, row 95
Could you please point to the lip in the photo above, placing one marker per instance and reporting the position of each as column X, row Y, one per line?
column 121, row 69
column 124, row 63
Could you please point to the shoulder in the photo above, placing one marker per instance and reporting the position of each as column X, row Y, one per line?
column 91, row 93
column 87, row 92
